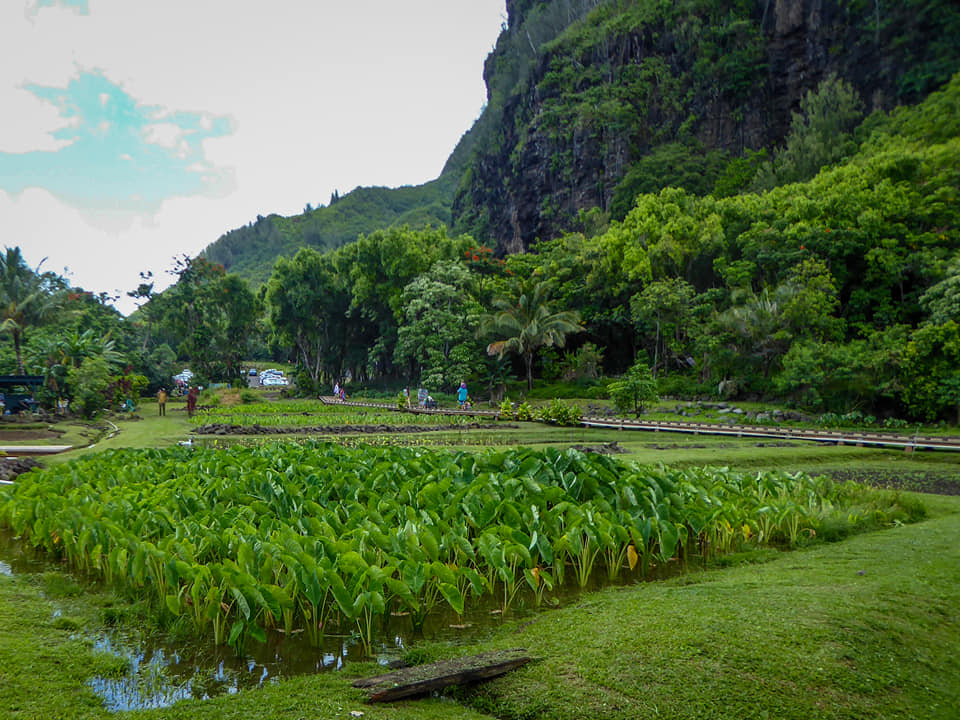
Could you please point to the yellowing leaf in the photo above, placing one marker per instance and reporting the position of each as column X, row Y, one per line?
column 632, row 556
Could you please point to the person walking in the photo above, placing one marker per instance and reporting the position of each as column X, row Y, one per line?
column 162, row 401
column 406, row 396
column 192, row 395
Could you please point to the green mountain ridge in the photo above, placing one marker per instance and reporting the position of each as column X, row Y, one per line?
column 251, row 251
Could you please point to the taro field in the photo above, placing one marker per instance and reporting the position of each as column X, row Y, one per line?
column 305, row 537
column 310, row 413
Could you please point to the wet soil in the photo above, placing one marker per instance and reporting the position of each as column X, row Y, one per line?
column 603, row 449
column 11, row 467
column 936, row 483
column 11, row 434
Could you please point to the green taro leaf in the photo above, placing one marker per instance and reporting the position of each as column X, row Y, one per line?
column 453, row 596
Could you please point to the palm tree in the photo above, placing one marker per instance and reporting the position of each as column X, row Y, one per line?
column 760, row 326
column 25, row 299
column 527, row 322
column 77, row 346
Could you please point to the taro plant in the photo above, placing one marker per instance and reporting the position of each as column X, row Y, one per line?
column 290, row 536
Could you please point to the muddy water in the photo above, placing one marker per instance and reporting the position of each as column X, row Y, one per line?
column 161, row 671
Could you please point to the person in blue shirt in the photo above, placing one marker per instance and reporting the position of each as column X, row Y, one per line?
column 462, row 395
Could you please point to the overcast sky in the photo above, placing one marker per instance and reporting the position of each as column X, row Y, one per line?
column 133, row 131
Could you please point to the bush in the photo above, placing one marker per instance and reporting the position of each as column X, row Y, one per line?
column 524, row 412
column 91, row 385
column 559, row 413
column 634, row 389
column 683, row 386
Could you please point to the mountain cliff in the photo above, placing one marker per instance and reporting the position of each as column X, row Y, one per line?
column 590, row 101
column 593, row 101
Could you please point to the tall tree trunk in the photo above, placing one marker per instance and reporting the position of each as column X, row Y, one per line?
column 18, row 349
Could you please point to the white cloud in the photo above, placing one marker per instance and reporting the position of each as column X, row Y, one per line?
column 29, row 123
column 164, row 134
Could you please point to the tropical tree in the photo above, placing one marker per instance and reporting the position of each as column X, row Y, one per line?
column 527, row 321
column 437, row 335
column 380, row 266
column 637, row 387
column 667, row 306
column 308, row 302
column 758, row 327
column 26, row 298
column 943, row 299
column 820, row 134
column 212, row 314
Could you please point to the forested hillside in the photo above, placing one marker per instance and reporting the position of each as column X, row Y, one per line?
column 591, row 102
column 251, row 251
column 640, row 95
column 837, row 292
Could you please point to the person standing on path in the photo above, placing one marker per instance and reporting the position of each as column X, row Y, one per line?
column 192, row 394
column 406, row 396
column 462, row 395
column 162, row 401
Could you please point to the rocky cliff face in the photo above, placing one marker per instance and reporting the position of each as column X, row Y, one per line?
column 615, row 81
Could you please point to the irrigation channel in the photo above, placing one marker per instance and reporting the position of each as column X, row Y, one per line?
column 908, row 443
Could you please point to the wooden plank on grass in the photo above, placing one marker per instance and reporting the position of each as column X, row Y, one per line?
column 436, row 676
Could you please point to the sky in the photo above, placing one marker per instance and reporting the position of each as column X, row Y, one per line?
column 133, row 132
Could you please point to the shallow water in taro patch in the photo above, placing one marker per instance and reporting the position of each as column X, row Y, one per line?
column 160, row 672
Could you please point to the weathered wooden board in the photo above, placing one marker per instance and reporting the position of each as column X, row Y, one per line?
column 436, row 676
column 21, row 450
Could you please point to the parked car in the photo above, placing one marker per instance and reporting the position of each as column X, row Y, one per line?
column 270, row 373
column 252, row 372
column 273, row 380
column 184, row 377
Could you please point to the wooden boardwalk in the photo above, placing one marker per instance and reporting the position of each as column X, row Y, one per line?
column 26, row 450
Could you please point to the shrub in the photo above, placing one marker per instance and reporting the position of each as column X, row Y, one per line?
column 524, row 412
column 683, row 386
column 634, row 389
column 560, row 413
